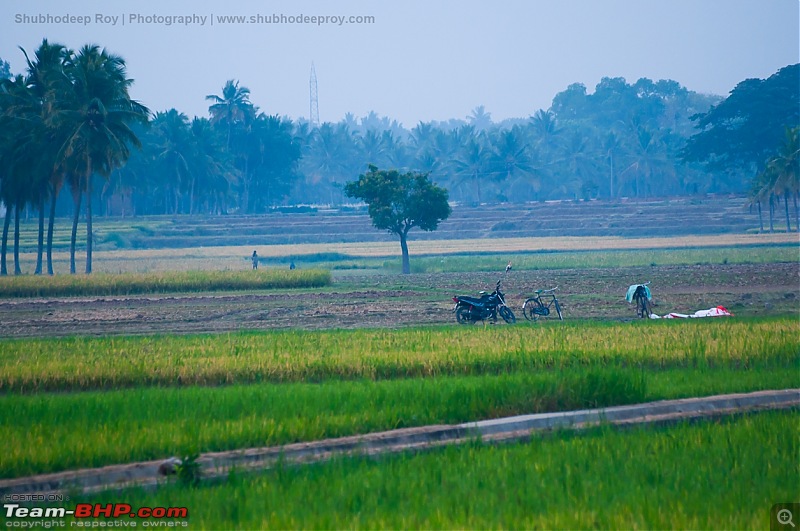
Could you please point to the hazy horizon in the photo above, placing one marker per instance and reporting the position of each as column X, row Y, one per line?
column 416, row 61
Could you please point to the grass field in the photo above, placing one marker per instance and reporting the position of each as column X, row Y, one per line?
column 700, row 476
column 170, row 282
column 367, row 380
column 86, row 363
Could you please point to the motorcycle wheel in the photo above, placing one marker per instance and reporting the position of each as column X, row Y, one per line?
column 463, row 315
column 507, row 315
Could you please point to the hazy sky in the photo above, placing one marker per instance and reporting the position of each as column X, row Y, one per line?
column 419, row 59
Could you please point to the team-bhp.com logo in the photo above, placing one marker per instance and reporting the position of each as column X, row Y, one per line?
column 85, row 515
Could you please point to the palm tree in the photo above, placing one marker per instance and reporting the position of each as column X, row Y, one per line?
column 511, row 159
column 210, row 169
column 174, row 151
column 97, row 114
column 19, row 122
column 472, row 163
column 780, row 177
column 480, row 119
column 649, row 159
column 47, row 81
column 232, row 108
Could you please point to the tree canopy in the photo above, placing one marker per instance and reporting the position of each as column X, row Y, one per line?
column 397, row 202
column 744, row 129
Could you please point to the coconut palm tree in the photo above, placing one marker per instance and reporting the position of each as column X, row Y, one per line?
column 174, row 150
column 47, row 81
column 232, row 107
column 19, row 160
column 480, row 119
column 780, row 177
column 97, row 114
column 472, row 163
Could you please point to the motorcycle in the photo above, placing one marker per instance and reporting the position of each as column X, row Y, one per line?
column 487, row 306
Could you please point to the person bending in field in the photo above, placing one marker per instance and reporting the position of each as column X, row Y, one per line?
column 255, row 260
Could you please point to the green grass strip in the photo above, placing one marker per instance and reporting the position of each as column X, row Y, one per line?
column 85, row 363
column 52, row 432
column 711, row 475
column 495, row 262
column 169, row 282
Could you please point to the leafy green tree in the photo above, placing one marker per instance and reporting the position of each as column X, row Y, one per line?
column 742, row 134
column 397, row 202
column 746, row 128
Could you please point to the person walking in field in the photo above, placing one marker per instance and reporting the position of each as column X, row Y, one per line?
column 255, row 260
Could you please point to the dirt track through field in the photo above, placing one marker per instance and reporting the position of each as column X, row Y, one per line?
column 217, row 465
column 408, row 300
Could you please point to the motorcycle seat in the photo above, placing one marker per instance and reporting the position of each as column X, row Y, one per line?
column 474, row 300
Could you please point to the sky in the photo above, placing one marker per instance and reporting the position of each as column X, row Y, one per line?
column 416, row 60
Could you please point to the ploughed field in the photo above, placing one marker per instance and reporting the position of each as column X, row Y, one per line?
column 358, row 300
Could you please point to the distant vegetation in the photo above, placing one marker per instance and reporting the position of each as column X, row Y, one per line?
column 69, row 124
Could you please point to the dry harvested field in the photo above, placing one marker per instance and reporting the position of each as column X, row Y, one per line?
column 382, row 300
column 234, row 257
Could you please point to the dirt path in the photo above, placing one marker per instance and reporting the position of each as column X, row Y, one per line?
column 394, row 300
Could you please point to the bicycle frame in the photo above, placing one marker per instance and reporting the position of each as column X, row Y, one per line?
column 536, row 307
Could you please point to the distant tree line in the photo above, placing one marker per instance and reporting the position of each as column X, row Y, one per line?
column 68, row 123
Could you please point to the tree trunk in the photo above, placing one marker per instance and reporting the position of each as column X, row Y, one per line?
column 786, row 209
column 796, row 212
column 760, row 218
column 6, row 224
column 89, row 238
column 611, row 178
column 404, row 249
column 40, row 241
column 50, row 227
column 17, row 214
column 76, row 199
column 245, row 199
column 191, row 197
column 771, row 214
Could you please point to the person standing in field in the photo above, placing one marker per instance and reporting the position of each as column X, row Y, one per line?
column 255, row 260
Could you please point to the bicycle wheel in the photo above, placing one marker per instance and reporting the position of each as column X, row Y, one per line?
column 558, row 310
column 528, row 309
column 507, row 315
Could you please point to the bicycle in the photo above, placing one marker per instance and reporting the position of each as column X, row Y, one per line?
column 534, row 307
column 642, row 297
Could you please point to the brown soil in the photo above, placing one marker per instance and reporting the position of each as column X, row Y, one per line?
column 398, row 301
